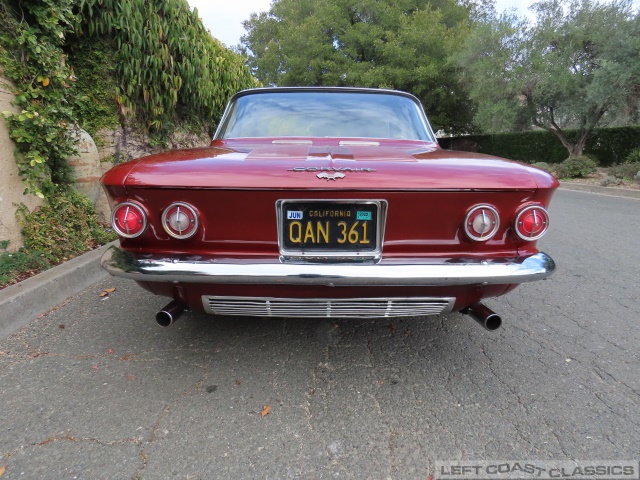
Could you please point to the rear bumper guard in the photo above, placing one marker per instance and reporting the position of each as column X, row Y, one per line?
column 396, row 272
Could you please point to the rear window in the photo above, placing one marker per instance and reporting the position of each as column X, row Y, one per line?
column 325, row 114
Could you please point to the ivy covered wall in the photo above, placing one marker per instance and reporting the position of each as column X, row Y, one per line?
column 129, row 72
column 97, row 63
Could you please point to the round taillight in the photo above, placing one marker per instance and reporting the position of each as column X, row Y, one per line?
column 531, row 223
column 180, row 220
column 481, row 223
column 128, row 220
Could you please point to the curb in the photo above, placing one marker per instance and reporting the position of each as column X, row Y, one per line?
column 611, row 191
column 24, row 301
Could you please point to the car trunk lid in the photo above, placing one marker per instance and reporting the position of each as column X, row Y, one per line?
column 345, row 165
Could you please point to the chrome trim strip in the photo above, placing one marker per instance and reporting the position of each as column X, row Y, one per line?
column 285, row 141
column 403, row 272
column 359, row 143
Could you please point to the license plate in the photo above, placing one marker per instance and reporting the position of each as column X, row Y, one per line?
column 329, row 227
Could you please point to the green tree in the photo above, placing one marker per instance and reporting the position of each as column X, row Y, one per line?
column 167, row 64
column 402, row 44
column 575, row 68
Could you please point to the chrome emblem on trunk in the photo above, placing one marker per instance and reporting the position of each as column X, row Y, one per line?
column 330, row 176
column 331, row 173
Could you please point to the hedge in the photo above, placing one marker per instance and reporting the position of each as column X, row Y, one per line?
column 608, row 146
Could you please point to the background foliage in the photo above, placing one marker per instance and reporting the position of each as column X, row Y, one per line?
column 167, row 65
column 95, row 84
column 576, row 67
column 403, row 44
column 32, row 56
column 94, row 62
column 62, row 227
column 608, row 146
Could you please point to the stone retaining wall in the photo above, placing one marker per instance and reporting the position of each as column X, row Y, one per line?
column 11, row 187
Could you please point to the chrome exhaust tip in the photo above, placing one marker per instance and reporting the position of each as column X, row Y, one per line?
column 170, row 313
column 486, row 317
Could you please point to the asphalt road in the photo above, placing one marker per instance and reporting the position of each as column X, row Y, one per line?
column 95, row 389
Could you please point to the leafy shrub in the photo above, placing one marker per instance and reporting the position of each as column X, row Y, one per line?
column 610, row 181
column 625, row 170
column 165, row 60
column 633, row 157
column 543, row 166
column 574, row 167
column 63, row 227
column 14, row 265
column 608, row 145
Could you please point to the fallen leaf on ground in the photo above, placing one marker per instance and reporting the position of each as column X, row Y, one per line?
column 238, row 382
column 110, row 350
column 265, row 410
column 131, row 377
column 61, row 326
column 2, row 470
column 107, row 291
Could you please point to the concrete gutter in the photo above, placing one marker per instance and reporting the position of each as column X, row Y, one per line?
column 611, row 191
column 24, row 301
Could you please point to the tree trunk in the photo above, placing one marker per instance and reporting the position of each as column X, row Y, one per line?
column 574, row 150
column 551, row 126
column 578, row 148
column 587, row 125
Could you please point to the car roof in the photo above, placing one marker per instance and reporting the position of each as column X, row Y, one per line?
column 383, row 91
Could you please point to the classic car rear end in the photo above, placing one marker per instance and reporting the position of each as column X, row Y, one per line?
column 283, row 216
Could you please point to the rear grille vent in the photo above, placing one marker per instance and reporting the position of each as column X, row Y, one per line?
column 336, row 307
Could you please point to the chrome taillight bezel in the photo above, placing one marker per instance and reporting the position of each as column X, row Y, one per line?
column 116, row 227
column 195, row 220
column 469, row 219
column 519, row 221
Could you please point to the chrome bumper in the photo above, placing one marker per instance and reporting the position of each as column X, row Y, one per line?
column 417, row 272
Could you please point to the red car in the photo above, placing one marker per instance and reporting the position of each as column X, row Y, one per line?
column 327, row 202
